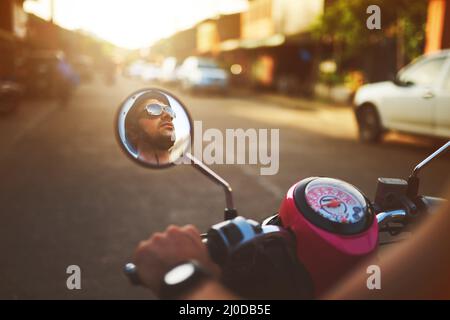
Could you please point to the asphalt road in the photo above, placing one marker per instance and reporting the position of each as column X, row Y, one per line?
column 68, row 196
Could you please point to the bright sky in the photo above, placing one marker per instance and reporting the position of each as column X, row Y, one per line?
column 131, row 23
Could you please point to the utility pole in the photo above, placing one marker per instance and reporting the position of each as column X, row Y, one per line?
column 52, row 11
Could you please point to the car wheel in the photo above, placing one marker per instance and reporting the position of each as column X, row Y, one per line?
column 370, row 130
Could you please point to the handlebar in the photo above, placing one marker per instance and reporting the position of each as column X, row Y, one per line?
column 130, row 268
column 221, row 240
column 424, row 204
column 131, row 271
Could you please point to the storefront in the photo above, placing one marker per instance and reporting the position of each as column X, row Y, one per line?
column 12, row 32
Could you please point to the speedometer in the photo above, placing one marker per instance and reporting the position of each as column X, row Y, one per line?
column 333, row 205
column 335, row 200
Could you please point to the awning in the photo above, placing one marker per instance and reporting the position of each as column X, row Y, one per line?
column 233, row 44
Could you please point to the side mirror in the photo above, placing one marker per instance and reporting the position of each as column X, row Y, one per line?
column 154, row 128
column 398, row 82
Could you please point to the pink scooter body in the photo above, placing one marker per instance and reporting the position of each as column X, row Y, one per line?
column 327, row 256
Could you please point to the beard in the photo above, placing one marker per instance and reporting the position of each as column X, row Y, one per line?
column 160, row 142
column 164, row 142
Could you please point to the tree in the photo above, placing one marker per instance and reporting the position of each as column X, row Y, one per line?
column 343, row 25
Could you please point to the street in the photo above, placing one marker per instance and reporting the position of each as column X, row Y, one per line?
column 69, row 196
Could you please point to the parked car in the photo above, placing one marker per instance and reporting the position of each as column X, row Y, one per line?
column 416, row 101
column 10, row 96
column 143, row 70
column 84, row 65
column 150, row 72
column 10, row 87
column 198, row 73
column 135, row 69
column 169, row 71
column 47, row 73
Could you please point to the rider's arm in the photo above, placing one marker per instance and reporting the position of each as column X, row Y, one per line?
column 419, row 268
column 209, row 290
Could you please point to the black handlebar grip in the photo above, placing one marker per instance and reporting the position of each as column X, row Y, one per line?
column 130, row 271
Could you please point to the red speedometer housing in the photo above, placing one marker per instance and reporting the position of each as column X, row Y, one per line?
column 334, row 225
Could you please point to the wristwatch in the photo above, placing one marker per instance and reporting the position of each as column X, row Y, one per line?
column 182, row 279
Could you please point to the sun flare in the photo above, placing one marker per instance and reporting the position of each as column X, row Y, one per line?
column 131, row 23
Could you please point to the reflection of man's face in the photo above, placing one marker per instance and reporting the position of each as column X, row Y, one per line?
column 160, row 128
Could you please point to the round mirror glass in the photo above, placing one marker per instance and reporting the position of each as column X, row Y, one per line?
column 154, row 128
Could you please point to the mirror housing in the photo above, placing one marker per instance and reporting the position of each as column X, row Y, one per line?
column 153, row 128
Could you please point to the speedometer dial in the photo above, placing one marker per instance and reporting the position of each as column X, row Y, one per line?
column 335, row 200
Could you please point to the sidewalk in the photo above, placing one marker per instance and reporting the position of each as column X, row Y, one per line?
column 288, row 101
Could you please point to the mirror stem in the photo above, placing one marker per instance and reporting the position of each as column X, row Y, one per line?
column 230, row 211
column 413, row 180
column 429, row 158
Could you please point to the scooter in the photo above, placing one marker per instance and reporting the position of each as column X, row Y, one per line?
column 322, row 230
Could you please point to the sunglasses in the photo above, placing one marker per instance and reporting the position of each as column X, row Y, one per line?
column 155, row 109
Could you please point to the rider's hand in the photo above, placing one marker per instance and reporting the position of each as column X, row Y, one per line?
column 163, row 251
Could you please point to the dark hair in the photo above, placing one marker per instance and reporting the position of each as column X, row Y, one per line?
column 132, row 128
column 152, row 94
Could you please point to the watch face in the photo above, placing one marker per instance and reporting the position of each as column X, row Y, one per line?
column 335, row 200
column 179, row 274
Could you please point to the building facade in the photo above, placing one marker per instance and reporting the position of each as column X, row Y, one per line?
column 12, row 33
column 438, row 26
